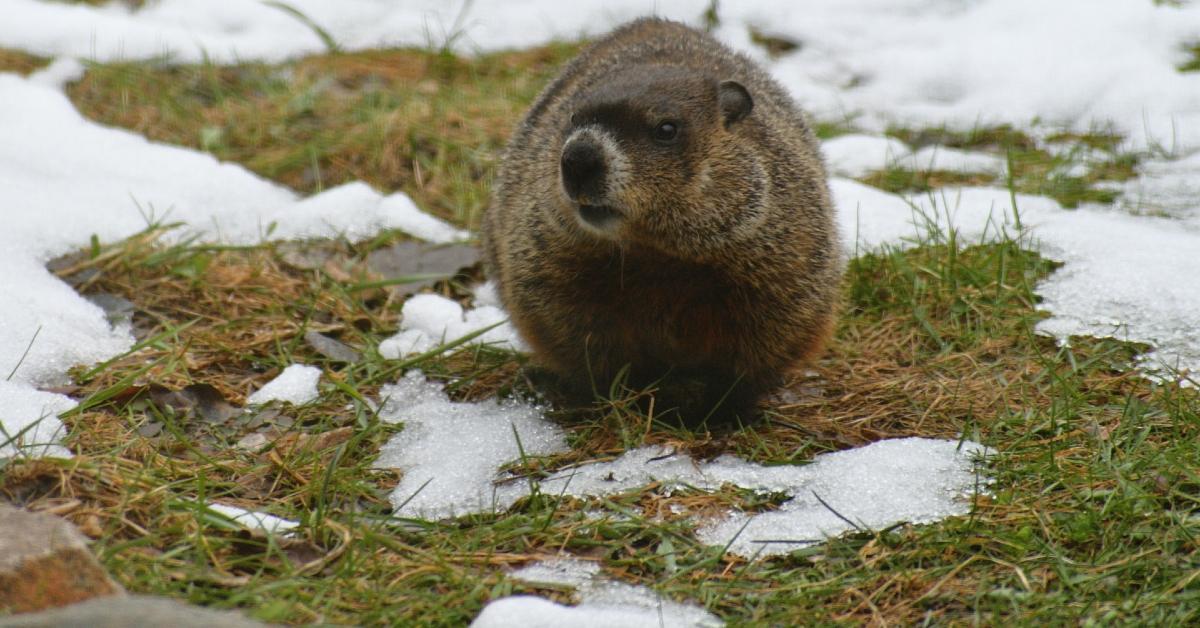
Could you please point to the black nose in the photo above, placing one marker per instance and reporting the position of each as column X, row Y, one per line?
column 583, row 170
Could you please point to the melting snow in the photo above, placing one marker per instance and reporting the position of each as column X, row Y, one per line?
column 430, row 320
column 451, row 454
column 297, row 385
column 602, row 602
column 941, row 158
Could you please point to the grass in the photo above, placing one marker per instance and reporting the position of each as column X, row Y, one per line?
column 1091, row 519
column 20, row 62
column 1034, row 169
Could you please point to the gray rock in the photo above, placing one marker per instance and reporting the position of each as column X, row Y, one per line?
column 45, row 562
column 130, row 612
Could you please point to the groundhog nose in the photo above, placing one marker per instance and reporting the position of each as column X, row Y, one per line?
column 583, row 170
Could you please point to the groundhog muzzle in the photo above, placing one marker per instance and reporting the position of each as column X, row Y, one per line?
column 661, row 214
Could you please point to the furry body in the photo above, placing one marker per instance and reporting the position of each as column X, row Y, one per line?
column 663, row 205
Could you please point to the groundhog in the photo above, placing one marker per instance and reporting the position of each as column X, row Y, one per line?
column 661, row 214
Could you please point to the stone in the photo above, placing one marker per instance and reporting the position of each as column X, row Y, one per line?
column 130, row 612
column 45, row 563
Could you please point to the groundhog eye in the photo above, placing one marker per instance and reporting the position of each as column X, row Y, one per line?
column 666, row 131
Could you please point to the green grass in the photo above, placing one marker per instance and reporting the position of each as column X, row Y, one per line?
column 1091, row 518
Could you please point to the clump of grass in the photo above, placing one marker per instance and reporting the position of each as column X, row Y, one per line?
column 902, row 180
column 20, row 62
column 1192, row 64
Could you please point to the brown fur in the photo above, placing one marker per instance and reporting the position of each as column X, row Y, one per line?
column 725, row 265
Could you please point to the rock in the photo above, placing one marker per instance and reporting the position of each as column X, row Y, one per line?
column 129, row 612
column 45, row 562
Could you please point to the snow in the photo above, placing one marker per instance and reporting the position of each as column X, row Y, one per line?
column 430, row 320
column 29, row 424
column 558, row 571
column 452, row 452
column 914, row 480
column 297, row 385
column 602, row 602
column 857, row 154
column 941, row 158
column 1166, row 188
column 254, row 520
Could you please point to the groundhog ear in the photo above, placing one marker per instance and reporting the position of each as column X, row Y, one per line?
column 736, row 102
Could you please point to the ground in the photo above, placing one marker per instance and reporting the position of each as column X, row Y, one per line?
column 1090, row 517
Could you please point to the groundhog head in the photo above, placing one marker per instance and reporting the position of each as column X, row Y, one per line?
column 648, row 156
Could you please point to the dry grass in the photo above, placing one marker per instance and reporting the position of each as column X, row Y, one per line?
column 20, row 62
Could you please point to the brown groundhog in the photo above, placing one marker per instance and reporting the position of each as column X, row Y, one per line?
column 662, row 214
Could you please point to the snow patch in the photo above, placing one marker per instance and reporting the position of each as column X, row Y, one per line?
column 451, row 452
column 297, row 385
column 932, row 158
column 914, row 480
column 429, row 320
column 602, row 602
column 856, row 155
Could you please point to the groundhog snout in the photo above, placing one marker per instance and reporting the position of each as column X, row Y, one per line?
column 584, row 171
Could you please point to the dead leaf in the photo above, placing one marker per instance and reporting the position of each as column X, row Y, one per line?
column 335, row 350
column 426, row 263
